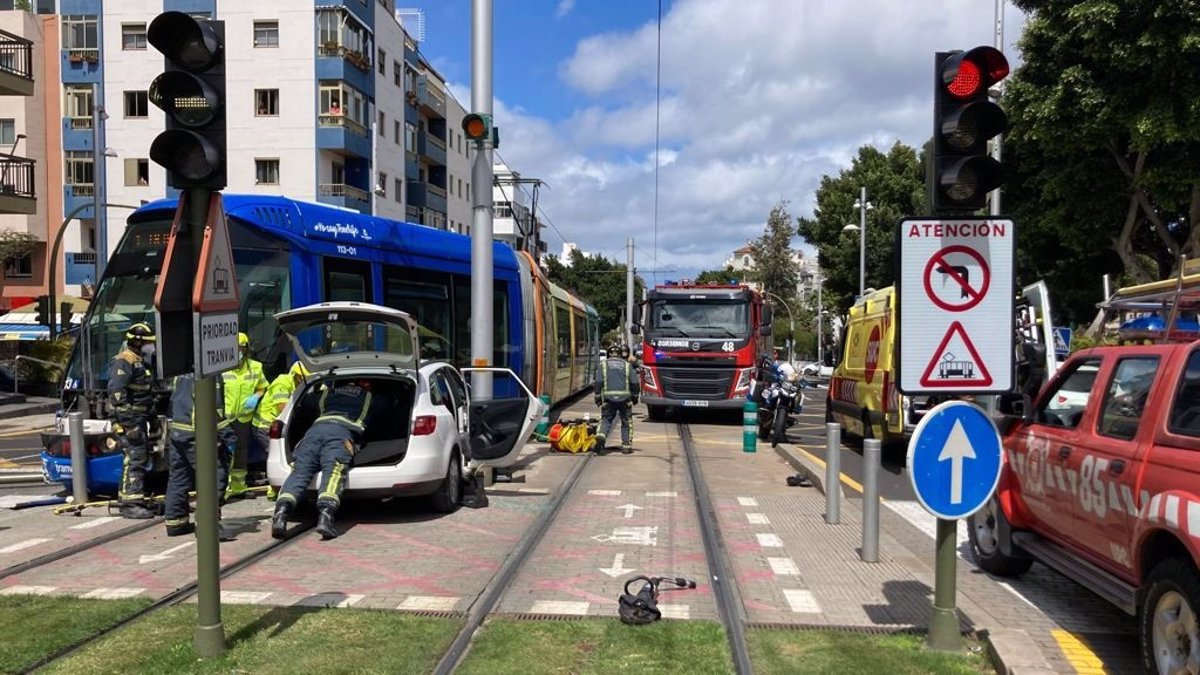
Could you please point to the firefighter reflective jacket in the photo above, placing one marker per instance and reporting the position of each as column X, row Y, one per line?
column 617, row 381
column 240, row 384
column 130, row 383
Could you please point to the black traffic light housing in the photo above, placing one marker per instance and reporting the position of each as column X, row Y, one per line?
column 43, row 315
column 192, row 94
column 64, row 316
column 963, row 121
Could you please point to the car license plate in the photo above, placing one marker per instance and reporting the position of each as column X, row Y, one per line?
column 695, row 404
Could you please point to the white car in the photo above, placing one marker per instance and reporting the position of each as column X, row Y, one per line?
column 424, row 435
column 817, row 370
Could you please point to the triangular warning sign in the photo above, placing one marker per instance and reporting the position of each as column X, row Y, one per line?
column 215, row 288
column 950, row 368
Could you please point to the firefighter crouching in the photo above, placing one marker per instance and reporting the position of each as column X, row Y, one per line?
column 616, row 392
column 328, row 446
column 182, row 476
column 131, row 399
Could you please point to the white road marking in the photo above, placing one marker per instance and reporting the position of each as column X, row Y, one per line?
column 801, row 601
column 28, row 590
column 534, row 491
column 646, row 535
column 676, row 611
column 629, row 509
column 94, row 522
column 559, row 607
column 747, row 501
column 113, row 593
column 431, row 603
column 768, row 540
column 783, row 566
column 605, row 493
column 22, row 545
column 758, row 519
column 670, row 493
column 244, row 597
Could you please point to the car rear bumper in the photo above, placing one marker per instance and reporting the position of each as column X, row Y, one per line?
column 419, row 472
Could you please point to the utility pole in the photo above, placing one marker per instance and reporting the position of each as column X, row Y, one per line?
column 820, row 326
column 482, row 177
column 862, row 241
column 98, row 171
column 629, row 292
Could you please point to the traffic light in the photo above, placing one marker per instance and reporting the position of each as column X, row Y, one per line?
column 477, row 127
column 43, row 315
column 963, row 122
column 64, row 316
column 192, row 94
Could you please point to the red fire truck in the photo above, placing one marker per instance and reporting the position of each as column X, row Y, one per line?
column 701, row 344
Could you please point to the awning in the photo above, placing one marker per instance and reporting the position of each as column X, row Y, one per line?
column 23, row 331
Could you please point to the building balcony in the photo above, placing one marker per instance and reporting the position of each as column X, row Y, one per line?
column 16, row 65
column 356, row 59
column 431, row 148
column 424, row 195
column 77, row 133
column 430, row 98
column 338, row 63
column 16, row 186
column 80, row 65
column 344, row 136
column 340, row 194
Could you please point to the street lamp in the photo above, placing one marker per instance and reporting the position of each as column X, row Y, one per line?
column 791, row 324
column 863, row 206
column 51, row 285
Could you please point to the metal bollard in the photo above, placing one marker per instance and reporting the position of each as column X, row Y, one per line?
column 750, row 427
column 79, row 477
column 833, row 473
column 870, row 517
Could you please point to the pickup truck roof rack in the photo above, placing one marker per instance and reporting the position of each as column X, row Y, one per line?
column 1163, row 311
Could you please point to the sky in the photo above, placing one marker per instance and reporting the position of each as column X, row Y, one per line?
column 758, row 100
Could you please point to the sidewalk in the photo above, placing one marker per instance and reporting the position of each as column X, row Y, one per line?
column 1041, row 635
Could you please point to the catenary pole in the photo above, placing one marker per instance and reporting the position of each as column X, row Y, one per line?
column 481, row 179
column 629, row 292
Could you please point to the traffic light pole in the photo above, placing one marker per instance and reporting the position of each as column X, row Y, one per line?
column 209, row 638
column 482, row 286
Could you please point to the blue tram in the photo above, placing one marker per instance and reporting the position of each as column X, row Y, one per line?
column 290, row 253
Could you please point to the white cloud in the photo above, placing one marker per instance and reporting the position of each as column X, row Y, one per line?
column 564, row 8
column 760, row 99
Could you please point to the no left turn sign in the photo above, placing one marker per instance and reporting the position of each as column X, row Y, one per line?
column 957, row 278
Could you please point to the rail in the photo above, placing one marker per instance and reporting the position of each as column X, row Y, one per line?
column 17, row 177
column 343, row 190
column 16, row 55
column 340, row 120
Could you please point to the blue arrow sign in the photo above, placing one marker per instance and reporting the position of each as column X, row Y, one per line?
column 954, row 460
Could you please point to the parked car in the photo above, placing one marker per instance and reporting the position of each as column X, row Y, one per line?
column 1102, row 481
column 427, row 435
column 816, row 370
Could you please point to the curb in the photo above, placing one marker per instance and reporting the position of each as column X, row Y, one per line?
column 26, row 409
column 1008, row 649
column 809, row 468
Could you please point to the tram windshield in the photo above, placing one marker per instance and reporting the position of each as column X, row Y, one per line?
column 126, row 296
column 699, row 319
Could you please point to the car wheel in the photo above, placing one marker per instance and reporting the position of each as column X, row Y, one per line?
column 983, row 538
column 448, row 496
column 655, row 413
column 1170, row 629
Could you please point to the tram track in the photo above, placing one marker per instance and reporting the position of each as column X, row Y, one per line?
column 76, row 549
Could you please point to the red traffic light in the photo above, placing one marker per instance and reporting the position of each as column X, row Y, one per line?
column 965, row 74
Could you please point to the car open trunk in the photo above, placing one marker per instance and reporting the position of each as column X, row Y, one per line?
column 385, row 440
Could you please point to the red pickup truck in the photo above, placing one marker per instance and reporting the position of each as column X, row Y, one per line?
column 1102, row 482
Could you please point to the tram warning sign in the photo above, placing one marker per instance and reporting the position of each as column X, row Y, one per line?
column 215, row 288
column 955, row 307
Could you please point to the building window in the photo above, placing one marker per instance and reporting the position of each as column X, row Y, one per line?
column 78, row 167
column 8, row 132
column 337, row 173
column 266, row 172
column 338, row 100
column 266, row 33
column 397, row 74
column 20, row 267
column 382, row 62
column 137, row 104
column 79, row 32
column 137, row 171
column 397, row 132
column 266, row 102
column 382, row 124
column 338, row 32
column 398, row 190
column 77, row 104
column 381, row 185
column 460, row 187
column 410, row 137
column 133, row 36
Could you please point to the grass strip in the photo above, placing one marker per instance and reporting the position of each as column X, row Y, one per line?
column 285, row 640
column 597, row 646
column 785, row 652
column 33, row 625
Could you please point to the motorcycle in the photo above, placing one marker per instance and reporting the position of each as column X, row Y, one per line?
column 781, row 402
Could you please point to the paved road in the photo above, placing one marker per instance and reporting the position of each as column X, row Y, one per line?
column 22, row 448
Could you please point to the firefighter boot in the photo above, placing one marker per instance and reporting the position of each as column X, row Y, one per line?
column 237, row 484
column 180, row 529
column 279, row 521
column 325, row 524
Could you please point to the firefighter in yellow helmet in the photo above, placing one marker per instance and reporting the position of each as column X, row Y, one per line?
column 131, row 398
column 244, row 387
column 279, row 392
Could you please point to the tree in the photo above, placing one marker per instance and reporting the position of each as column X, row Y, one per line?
column 1104, row 141
column 895, row 185
column 774, row 266
column 721, row 277
column 598, row 281
column 23, row 5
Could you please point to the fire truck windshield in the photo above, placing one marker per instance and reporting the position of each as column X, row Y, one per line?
column 699, row 318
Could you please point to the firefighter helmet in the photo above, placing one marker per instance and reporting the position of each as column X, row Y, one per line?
column 140, row 332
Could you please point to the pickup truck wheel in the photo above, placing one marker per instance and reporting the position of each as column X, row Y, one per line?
column 982, row 535
column 448, row 496
column 1170, row 629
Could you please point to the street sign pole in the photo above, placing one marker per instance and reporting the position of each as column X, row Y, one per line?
column 482, row 277
column 209, row 638
column 943, row 625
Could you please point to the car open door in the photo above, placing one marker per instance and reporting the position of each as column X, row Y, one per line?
column 500, row 426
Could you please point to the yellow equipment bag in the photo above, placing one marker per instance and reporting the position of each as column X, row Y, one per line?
column 577, row 436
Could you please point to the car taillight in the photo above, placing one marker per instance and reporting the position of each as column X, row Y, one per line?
column 276, row 430
column 424, row 425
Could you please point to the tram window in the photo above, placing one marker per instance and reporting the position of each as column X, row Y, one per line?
column 462, row 323
column 562, row 317
column 347, row 280
column 264, row 284
column 427, row 301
